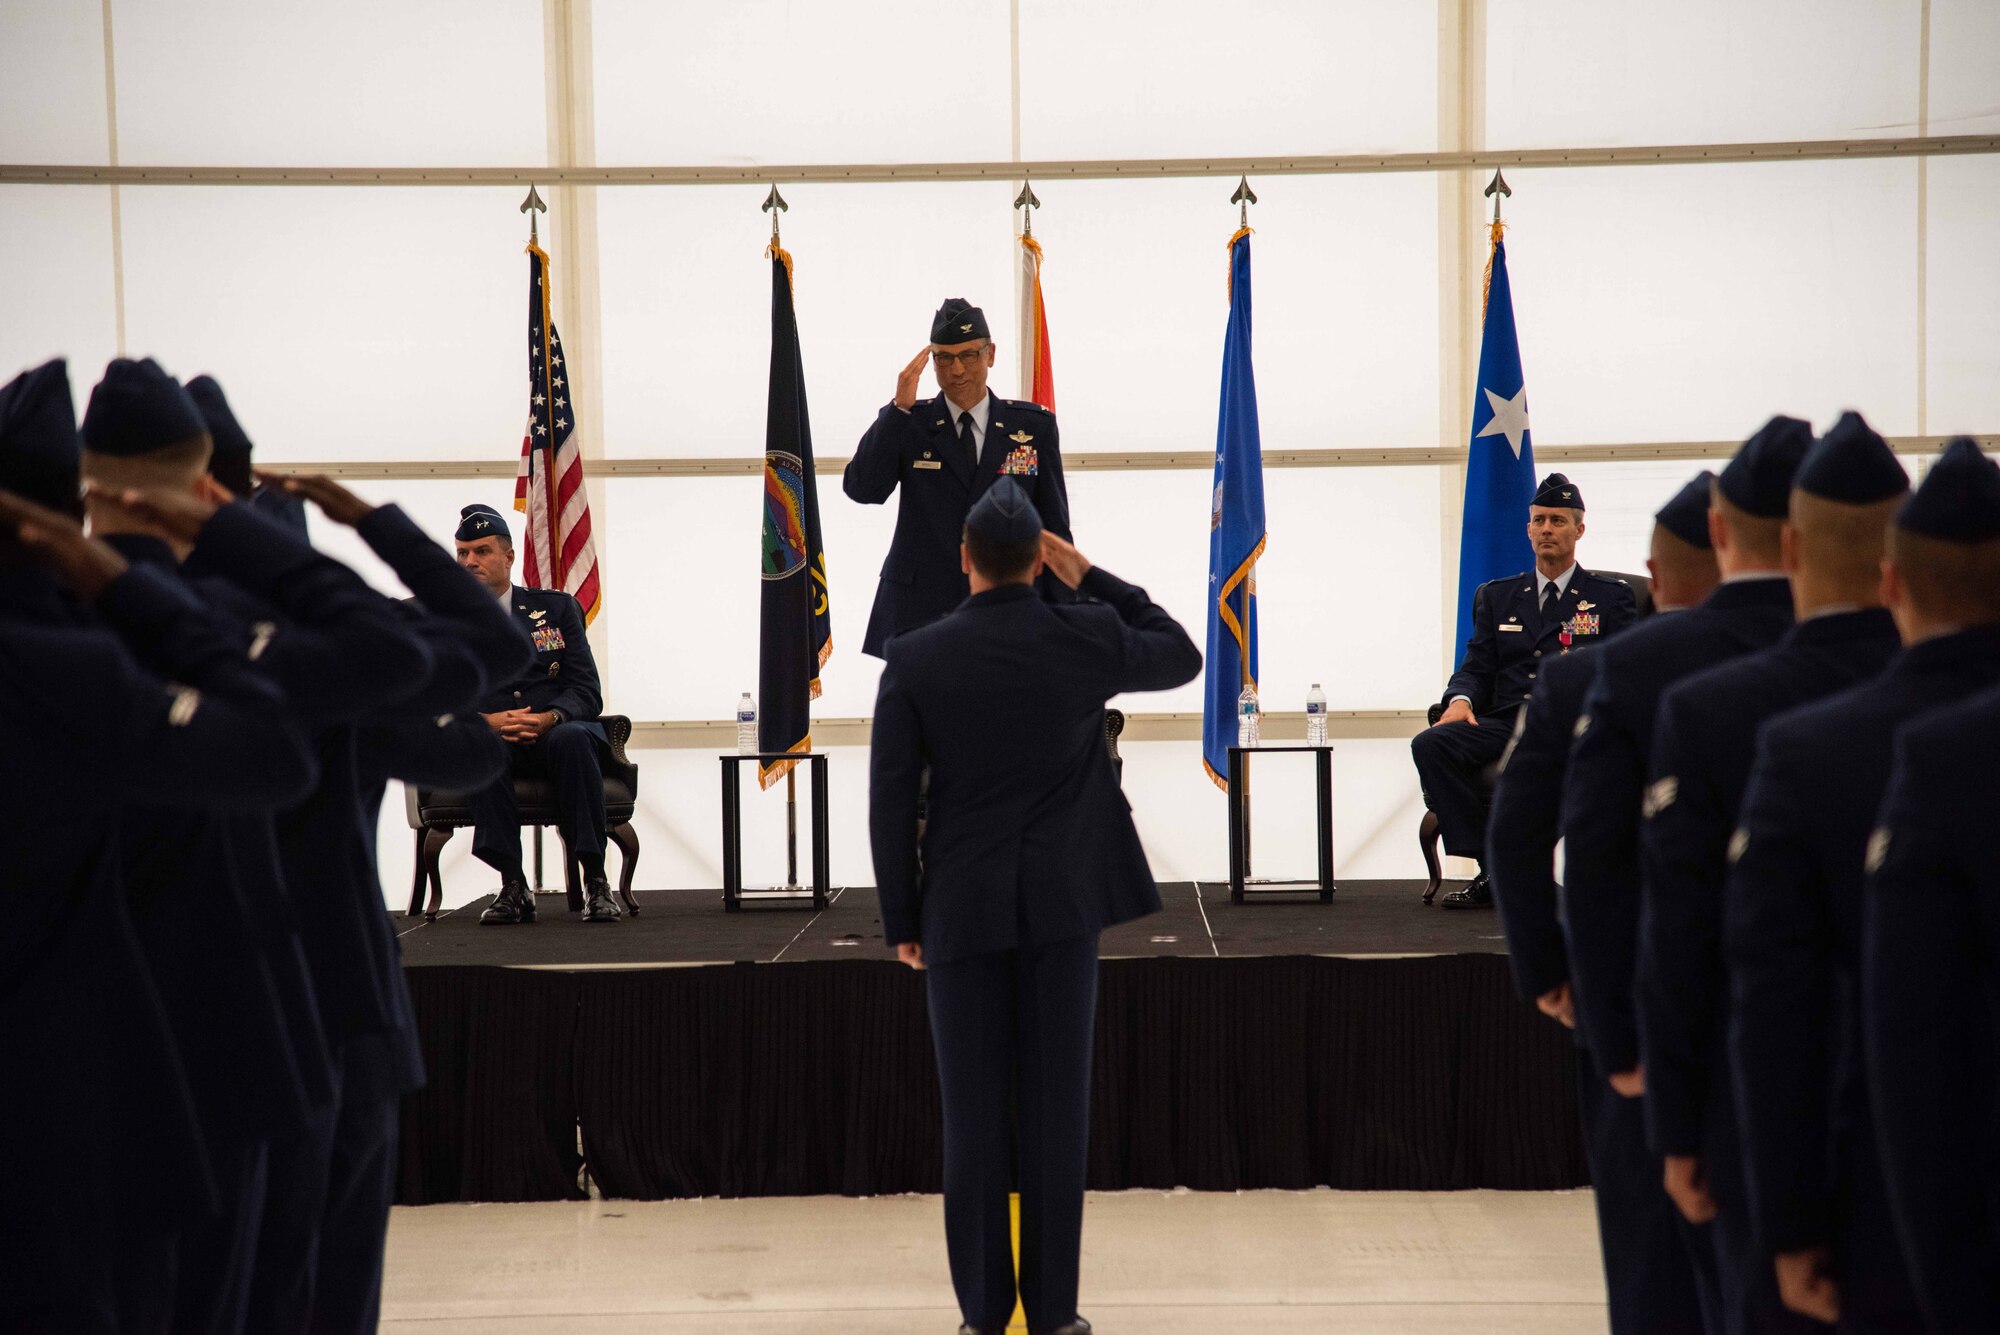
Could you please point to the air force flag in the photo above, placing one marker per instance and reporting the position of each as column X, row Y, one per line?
column 1500, row 473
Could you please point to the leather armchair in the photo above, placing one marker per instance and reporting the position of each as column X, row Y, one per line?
column 436, row 814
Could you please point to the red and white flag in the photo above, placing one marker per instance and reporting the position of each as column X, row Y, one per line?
column 549, row 485
column 1038, row 377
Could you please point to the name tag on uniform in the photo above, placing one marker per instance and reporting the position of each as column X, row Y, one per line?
column 547, row 639
column 927, row 463
column 1505, row 627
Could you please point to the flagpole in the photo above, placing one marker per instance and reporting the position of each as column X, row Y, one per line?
column 774, row 204
column 1243, row 200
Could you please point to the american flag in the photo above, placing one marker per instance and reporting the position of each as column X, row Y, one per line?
column 549, row 485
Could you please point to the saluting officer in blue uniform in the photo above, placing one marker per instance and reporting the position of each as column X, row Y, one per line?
column 1930, row 987
column 945, row 453
column 1846, row 492
column 548, row 718
column 235, row 974
column 1516, row 623
column 1028, row 852
column 1648, row 1281
column 1604, row 788
column 1793, row 926
column 175, row 714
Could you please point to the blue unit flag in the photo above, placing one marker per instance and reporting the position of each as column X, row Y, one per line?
column 1235, row 529
column 1500, row 472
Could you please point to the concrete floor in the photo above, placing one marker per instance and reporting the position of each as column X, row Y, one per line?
column 1398, row 1263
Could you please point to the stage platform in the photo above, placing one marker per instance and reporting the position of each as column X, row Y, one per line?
column 1368, row 1043
column 1366, row 918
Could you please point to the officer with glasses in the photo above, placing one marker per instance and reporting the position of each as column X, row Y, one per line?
column 945, row 453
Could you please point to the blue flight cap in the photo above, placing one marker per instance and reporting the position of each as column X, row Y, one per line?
column 230, row 464
column 1558, row 492
column 958, row 321
column 38, row 453
column 1005, row 515
column 1758, row 477
column 1959, row 498
column 1686, row 515
column 482, row 521
column 138, row 409
column 1852, row 465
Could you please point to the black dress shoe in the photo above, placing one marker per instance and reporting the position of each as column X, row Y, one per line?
column 1476, row 895
column 597, row 905
column 514, row 904
column 1076, row 1327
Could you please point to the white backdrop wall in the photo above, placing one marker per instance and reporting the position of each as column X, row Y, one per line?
column 364, row 324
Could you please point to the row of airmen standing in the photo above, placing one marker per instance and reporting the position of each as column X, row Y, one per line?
column 1739, row 848
column 202, row 1010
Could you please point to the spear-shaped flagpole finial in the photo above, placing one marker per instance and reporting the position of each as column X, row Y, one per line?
column 1027, row 202
column 1497, row 187
column 1243, row 199
column 774, row 204
column 531, row 206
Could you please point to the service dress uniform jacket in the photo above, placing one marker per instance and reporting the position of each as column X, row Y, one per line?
column 1930, row 995
column 111, row 1157
column 1604, row 790
column 1648, row 1282
column 1792, row 938
column 1028, row 850
column 919, row 451
column 1703, row 743
column 1511, row 639
column 563, row 674
column 1029, row 837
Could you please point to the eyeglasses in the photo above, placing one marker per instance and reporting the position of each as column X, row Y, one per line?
column 968, row 359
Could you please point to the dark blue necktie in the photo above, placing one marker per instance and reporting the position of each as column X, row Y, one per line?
column 968, row 442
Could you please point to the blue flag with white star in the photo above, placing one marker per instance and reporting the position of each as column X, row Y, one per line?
column 1500, row 472
column 1235, row 529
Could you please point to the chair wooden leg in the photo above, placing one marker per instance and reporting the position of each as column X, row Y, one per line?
column 431, row 865
column 572, row 876
column 417, row 881
column 1427, row 841
column 627, row 840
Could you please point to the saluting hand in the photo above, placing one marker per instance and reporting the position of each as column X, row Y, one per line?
column 85, row 565
column 906, row 379
column 180, row 514
column 334, row 501
column 1063, row 560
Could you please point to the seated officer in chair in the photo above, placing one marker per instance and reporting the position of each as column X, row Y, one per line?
column 1516, row 622
column 547, row 717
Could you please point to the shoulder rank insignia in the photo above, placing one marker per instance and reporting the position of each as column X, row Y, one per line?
column 1020, row 438
column 1878, row 848
column 1661, row 796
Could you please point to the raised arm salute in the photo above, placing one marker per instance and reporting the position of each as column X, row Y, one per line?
column 945, row 453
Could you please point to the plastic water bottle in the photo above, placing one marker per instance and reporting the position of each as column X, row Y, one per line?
column 1249, row 731
column 746, row 726
column 1316, row 716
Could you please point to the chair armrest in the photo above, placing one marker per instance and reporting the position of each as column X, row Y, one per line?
column 412, row 807
column 617, row 731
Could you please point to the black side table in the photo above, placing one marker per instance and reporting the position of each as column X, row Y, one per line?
column 1240, row 883
column 733, row 894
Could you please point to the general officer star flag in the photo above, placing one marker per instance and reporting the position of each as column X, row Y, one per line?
column 1235, row 529
column 795, row 634
column 1500, row 470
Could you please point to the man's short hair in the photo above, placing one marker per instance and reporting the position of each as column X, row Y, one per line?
column 1841, row 541
column 1759, row 538
column 1002, row 562
column 169, row 467
column 1954, row 582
